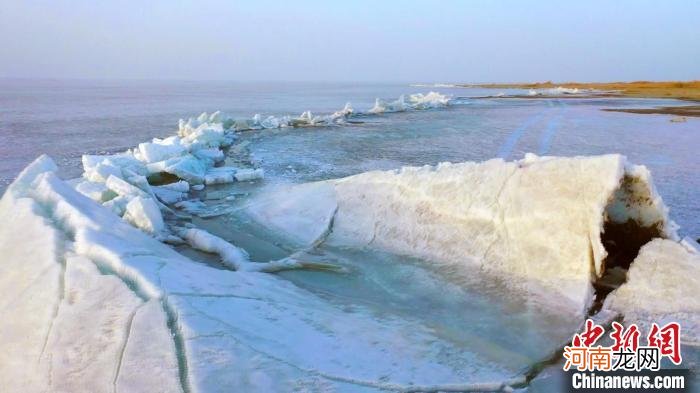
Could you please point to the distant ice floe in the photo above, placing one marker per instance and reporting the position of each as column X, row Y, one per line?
column 561, row 91
column 195, row 158
column 438, row 85
column 413, row 102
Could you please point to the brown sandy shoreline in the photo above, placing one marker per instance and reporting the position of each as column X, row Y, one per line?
column 684, row 110
column 688, row 91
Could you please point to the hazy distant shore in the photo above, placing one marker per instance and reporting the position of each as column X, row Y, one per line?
column 689, row 90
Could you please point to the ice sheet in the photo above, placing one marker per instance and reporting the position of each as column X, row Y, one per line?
column 106, row 288
column 537, row 221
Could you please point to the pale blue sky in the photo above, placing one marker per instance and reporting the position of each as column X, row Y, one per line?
column 408, row 41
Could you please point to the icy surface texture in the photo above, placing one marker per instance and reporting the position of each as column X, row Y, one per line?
column 537, row 221
column 662, row 286
column 99, row 305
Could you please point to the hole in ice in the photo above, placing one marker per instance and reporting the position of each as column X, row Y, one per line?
column 161, row 178
column 623, row 239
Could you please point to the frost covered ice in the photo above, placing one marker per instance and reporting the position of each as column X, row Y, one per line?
column 537, row 221
column 662, row 286
column 97, row 297
column 98, row 302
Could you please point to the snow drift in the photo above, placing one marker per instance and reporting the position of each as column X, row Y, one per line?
column 539, row 222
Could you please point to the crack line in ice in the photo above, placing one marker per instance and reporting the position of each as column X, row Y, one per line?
column 215, row 295
column 120, row 357
column 45, row 212
column 326, row 232
column 57, row 308
column 603, row 318
column 179, row 341
column 105, row 267
column 500, row 212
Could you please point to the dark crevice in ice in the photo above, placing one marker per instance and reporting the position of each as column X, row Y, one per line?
column 179, row 342
column 162, row 178
column 622, row 241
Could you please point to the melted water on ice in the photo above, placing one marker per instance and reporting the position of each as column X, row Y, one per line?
column 472, row 313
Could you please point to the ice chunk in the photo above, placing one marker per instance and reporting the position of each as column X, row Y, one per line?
column 428, row 101
column 186, row 167
column 231, row 255
column 537, row 222
column 111, row 163
column 124, row 188
column 637, row 199
column 249, row 174
column 662, row 286
column 100, row 172
column 180, row 186
column 30, row 283
column 271, row 122
column 415, row 102
column 346, row 112
column 207, row 135
column 42, row 164
column 161, row 149
column 220, row 175
column 117, row 205
column 192, row 206
column 98, row 192
column 173, row 192
column 305, row 215
column 213, row 155
column 144, row 213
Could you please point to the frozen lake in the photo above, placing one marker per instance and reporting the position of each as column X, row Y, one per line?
column 384, row 320
column 66, row 119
